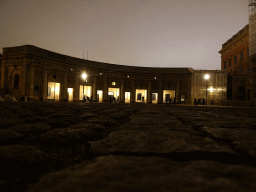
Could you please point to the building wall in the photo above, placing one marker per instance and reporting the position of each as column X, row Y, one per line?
column 252, row 27
column 232, row 49
column 37, row 67
column 216, row 85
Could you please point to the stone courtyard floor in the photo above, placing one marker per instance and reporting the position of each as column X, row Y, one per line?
column 64, row 147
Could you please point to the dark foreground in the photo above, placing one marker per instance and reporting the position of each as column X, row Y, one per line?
column 64, row 147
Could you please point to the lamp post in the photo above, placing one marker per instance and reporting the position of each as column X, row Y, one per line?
column 84, row 77
column 206, row 77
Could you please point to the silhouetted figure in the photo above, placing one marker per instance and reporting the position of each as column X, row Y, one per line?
column 170, row 100
column 143, row 99
column 114, row 99
column 203, row 101
column 174, row 100
column 199, row 101
column 195, row 101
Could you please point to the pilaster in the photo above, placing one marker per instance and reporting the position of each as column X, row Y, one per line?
column 45, row 85
column 94, row 89
column 31, row 81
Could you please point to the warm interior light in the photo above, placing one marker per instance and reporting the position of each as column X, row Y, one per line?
column 206, row 77
column 84, row 76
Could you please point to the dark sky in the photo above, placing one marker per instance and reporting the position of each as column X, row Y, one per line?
column 149, row 33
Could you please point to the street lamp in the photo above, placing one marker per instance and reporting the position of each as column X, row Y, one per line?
column 206, row 77
column 84, row 76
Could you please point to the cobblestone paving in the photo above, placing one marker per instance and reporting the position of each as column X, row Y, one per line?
column 126, row 147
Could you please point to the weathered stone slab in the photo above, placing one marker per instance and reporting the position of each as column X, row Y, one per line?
column 156, row 141
column 118, row 173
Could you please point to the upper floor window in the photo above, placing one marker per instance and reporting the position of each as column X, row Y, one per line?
column 229, row 62
column 235, row 59
column 241, row 56
column 224, row 65
column 16, row 81
column 241, row 71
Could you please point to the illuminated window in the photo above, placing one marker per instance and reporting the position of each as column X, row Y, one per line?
column 113, row 83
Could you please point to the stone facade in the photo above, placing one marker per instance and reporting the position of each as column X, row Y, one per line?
column 44, row 75
column 236, row 61
column 216, row 85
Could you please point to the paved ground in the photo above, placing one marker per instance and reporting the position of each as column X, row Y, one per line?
column 126, row 147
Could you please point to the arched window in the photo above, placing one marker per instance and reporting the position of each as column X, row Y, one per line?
column 16, row 81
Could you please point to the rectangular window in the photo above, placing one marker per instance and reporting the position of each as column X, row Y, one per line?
column 229, row 62
column 241, row 71
column 225, row 65
column 241, row 56
column 235, row 59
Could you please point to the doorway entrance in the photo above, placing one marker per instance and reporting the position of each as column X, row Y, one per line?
column 127, row 97
column 99, row 95
column 70, row 94
column 141, row 95
column 113, row 92
column 167, row 94
column 154, row 98
column 86, row 91
column 53, row 91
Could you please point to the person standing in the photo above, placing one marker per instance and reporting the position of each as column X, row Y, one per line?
column 174, row 100
column 195, row 101
column 170, row 100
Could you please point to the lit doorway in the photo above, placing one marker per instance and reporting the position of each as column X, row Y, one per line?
column 70, row 94
column 154, row 97
column 99, row 95
column 87, row 92
column 113, row 92
column 167, row 94
column 141, row 95
column 53, row 91
column 127, row 97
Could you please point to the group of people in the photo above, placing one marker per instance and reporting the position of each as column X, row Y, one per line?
column 112, row 99
column 199, row 101
column 171, row 101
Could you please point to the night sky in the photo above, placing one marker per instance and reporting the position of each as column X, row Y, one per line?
column 148, row 33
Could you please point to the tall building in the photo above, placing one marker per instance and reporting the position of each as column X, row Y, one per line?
column 252, row 27
column 235, row 61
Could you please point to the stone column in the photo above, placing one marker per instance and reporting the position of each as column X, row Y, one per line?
column 105, row 90
column 65, row 86
column 132, row 96
column 149, row 92
column 76, row 88
column 122, row 91
column 31, row 81
column 3, row 74
column 160, row 94
column 94, row 89
column 45, row 85
column 177, row 92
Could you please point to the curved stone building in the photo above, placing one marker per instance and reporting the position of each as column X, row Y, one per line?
column 40, row 74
